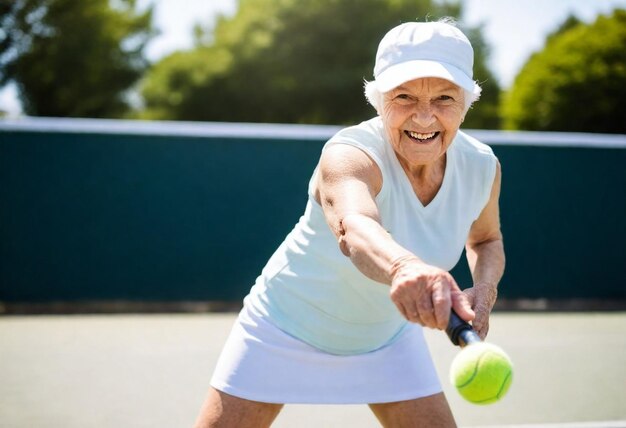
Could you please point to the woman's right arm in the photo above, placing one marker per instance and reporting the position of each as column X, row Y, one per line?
column 347, row 183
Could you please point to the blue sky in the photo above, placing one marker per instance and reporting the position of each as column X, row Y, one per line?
column 513, row 28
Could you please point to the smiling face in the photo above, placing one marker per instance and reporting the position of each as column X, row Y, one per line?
column 421, row 118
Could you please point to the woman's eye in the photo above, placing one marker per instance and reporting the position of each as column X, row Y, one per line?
column 446, row 98
column 404, row 99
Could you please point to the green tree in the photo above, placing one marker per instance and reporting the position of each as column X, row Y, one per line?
column 576, row 83
column 291, row 61
column 73, row 58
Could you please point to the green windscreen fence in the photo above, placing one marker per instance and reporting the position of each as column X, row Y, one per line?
column 97, row 210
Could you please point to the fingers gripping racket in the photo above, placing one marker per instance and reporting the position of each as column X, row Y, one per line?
column 460, row 332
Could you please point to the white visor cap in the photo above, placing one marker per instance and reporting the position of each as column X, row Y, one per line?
column 424, row 49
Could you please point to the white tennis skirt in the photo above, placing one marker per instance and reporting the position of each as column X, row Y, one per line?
column 260, row 362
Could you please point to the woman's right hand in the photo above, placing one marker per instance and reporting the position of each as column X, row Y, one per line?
column 424, row 294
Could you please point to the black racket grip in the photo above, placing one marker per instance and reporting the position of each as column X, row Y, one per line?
column 460, row 332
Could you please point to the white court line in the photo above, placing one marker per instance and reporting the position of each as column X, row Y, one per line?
column 599, row 424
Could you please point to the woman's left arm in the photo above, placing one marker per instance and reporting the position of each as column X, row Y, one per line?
column 485, row 256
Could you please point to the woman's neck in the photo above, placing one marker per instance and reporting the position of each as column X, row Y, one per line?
column 426, row 180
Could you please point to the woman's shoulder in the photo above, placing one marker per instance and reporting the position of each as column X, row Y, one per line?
column 369, row 132
column 367, row 136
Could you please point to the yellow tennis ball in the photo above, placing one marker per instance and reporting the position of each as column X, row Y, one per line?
column 482, row 373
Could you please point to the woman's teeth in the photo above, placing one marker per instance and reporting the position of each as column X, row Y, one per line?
column 421, row 137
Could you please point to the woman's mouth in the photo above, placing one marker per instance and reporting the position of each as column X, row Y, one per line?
column 422, row 138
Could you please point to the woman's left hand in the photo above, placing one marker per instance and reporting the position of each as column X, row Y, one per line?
column 482, row 297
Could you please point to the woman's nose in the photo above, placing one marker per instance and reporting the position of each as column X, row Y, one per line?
column 423, row 115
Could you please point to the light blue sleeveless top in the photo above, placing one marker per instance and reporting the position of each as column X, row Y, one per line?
column 310, row 290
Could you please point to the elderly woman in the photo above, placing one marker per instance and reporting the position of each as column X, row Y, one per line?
column 337, row 314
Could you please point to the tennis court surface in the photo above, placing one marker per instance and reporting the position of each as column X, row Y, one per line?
column 153, row 371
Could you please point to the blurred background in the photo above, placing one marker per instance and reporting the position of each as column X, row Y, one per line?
column 255, row 60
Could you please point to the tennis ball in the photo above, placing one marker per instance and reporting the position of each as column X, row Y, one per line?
column 482, row 373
